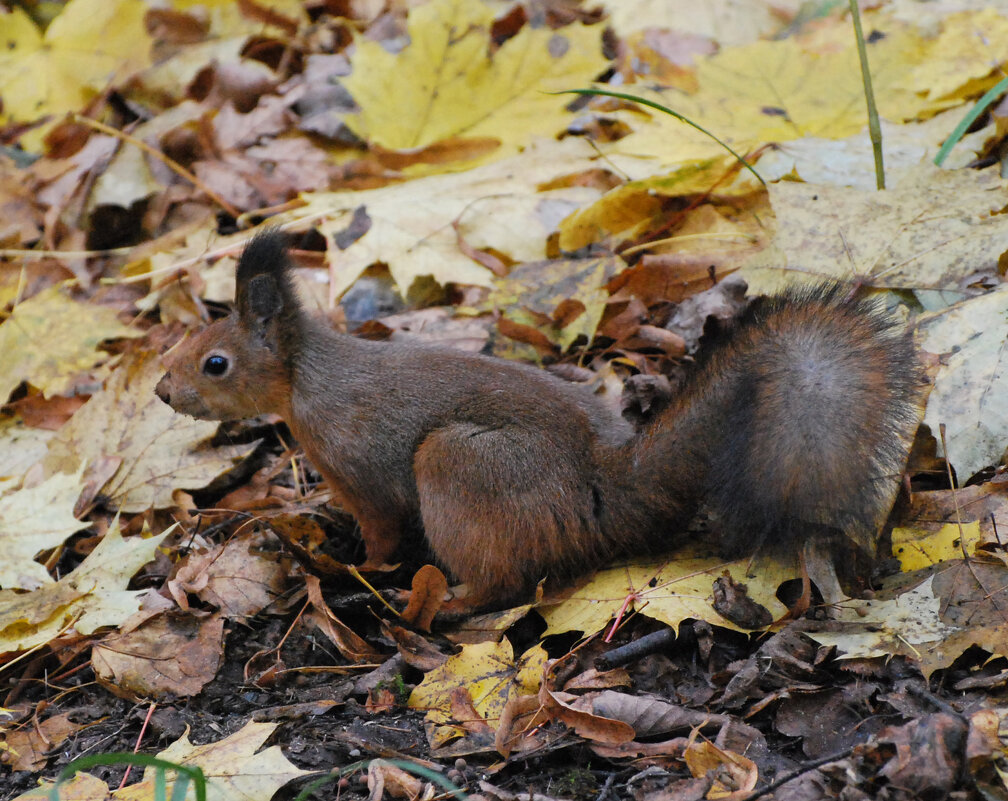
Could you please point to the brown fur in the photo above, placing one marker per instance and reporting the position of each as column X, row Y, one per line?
column 515, row 475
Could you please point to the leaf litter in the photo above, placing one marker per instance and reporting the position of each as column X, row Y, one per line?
column 197, row 573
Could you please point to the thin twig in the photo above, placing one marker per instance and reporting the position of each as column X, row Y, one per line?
column 170, row 163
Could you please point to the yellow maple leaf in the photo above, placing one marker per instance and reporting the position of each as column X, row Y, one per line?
column 414, row 227
column 49, row 339
column 671, row 591
column 489, row 671
column 916, row 549
column 90, row 44
column 776, row 91
column 445, row 83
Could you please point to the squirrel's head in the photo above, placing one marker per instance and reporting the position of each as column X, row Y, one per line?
column 239, row 366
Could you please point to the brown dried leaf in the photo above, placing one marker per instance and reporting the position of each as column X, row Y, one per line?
column 649, row 716
column 416, row 651
column 172, row 654
column 29, row 747
column 561, row 706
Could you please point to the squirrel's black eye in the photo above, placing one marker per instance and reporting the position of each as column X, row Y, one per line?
column 215, row 365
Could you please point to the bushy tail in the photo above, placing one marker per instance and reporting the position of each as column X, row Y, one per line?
column 798, row 424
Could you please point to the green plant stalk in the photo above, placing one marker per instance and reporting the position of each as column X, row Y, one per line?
column 874, row 128
column 982, row 105
column 659, row 107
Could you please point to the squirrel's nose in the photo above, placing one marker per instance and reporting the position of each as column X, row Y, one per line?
column 162, row 391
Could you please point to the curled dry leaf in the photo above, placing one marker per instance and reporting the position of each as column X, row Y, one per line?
column 416, row 651
column 519, row 726
column 567, row 709
column 384, row 777
column 342, row 636
column 427, row 597
column 651, row 716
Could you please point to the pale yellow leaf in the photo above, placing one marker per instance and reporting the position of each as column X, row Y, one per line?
column 907, row 624
column 92, row 596
column 972, row 45
column 972, row 381
column 907, row 236
column 777, row 91
column 234, row 767
column 728, row 22
column 34, row 520
column 81, row 787
column 89, row 45
column 497, row 206
column 850, row 161
column 20, row 446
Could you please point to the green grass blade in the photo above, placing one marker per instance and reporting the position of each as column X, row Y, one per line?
column 643, row 101
column 982, row 105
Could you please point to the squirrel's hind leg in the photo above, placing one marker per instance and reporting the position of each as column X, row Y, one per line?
column 504, row 506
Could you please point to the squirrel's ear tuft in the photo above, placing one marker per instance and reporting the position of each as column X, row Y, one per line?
column 266, row 252
column 263, row 282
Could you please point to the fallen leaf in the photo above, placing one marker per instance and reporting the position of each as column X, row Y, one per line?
column 33, row 520
column 415, row 227
column 970, row 336
column 905, row 237
column 671, row 591
column 31, row 745
column 915, row 551
column 168, row 656
column 93, row 595
column 426, row 598
column 491, row 675
column 234, row 767
column 90, row 44
column 450, row 81
column 49, row 340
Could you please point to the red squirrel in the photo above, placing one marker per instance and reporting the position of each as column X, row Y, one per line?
column 793, row 426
